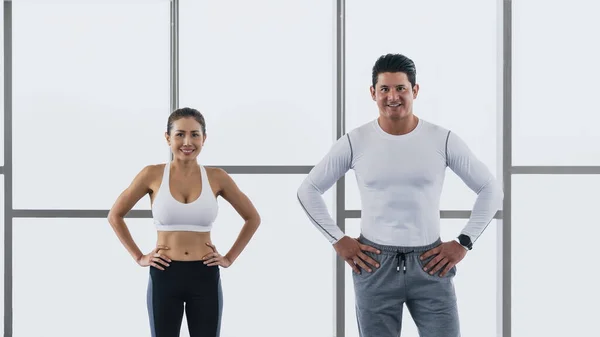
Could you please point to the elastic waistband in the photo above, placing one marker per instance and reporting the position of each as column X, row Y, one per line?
column 187, row 261
column 187, row 264
column 182, row 266
column 399, row 249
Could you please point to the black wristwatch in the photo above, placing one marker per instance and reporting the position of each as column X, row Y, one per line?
column 465, row 241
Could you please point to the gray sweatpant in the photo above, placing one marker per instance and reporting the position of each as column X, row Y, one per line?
column 400, row 279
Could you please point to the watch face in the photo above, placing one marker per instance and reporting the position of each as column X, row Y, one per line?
column 464, row 240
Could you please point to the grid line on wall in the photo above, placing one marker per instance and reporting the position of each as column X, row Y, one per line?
column 505, row 311
column 7, row 171
column 444, row 214
column 305, row 169
column 147, row 213
column 174, row 56
column 271, row 169
column 555, row 170
column 339, row 277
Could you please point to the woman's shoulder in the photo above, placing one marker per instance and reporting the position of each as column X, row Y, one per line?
column 155, row 168
column 215, row 172
column 152, row 171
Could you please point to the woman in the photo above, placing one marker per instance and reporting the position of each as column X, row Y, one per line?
column 184, row 266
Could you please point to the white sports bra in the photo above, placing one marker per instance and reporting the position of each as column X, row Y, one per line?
column 170, row 214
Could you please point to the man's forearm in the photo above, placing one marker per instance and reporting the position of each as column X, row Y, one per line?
column 487, row 203
column 315, row 208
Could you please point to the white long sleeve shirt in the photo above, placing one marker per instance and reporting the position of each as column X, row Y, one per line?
column 400, row 179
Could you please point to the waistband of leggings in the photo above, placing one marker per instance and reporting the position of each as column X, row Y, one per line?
column 185, row 267
column 194, row 264
column 187, row 262
column 399, row 249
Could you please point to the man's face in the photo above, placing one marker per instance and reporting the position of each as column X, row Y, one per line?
column 394, row 95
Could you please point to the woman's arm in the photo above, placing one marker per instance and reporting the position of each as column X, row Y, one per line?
column 139, row 187
column 244, row 207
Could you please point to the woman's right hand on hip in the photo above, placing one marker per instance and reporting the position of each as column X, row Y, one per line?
column 155, row 259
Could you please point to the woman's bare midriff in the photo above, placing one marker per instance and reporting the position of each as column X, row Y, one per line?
column 184, row 246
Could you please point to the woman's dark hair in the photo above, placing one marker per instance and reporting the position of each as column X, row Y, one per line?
column 394, row 63
column 183, row 113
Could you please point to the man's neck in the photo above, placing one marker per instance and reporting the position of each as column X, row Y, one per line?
column 400, row 126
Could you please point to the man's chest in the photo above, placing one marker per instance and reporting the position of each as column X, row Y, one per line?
column 383, row 167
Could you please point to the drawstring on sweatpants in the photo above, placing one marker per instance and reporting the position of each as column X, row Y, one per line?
column 401, row 257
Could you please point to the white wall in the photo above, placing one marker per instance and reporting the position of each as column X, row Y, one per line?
column 265, row 81
column 555, row 238
column 2, row 161
column 91, row 97
column 2, row 252
column 555, row 83
column 2, row 86
column 555, row 122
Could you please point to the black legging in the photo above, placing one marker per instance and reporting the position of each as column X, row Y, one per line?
column 189, row 282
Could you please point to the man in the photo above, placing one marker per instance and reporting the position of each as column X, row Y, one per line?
column 400, row 161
